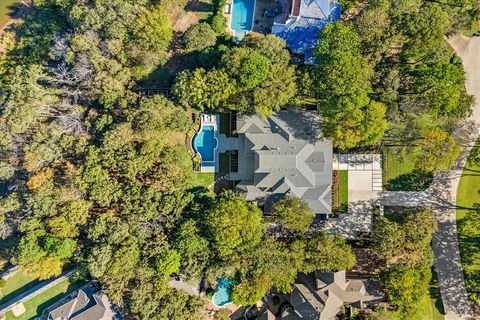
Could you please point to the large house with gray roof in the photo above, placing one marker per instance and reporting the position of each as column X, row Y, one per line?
column 284, row 154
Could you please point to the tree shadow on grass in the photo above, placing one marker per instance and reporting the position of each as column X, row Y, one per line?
column 434, row 291
column 413, row 181
column 19, row 291
column 72, row 287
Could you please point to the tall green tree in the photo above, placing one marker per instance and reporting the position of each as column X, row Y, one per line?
column 204, row 90
column 198, row 37
column 249, row 67
column 437, row 151
column 294, row 213
column 327, row 253
column 235, row 225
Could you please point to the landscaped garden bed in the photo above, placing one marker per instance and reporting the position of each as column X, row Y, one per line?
column 340, row 191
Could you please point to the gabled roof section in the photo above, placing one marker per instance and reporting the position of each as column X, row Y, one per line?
column 317, row 9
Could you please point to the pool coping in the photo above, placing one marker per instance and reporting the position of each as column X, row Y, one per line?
column 212, row 164
column 223, row 305
column 231, row 16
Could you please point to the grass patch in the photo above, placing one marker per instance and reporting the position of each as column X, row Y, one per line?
column 343, row 191
column 202, row 179
column 6, row 10
column 467, row 194
column 468, row 231
column 429, row 307
column 400, row 172
column 16, row 285
column 474, row 28
column 34, row 307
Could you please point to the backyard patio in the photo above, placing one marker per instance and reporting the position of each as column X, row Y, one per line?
column 265, row 13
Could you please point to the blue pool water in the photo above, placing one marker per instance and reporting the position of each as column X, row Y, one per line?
column 242, row 15
column 222, row 296
column 205, row 143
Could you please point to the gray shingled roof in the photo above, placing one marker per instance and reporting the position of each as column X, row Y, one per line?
column 285, row 154
column 85, row 306
column 320, row 295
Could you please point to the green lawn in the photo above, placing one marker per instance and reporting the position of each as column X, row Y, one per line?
column 430, row 307
column 399, row 170
column 343, row 190
column 468, row 237
column 467, row 194
column 35, row 306
column 17, row 284
column 203, row 179
column 5, row 10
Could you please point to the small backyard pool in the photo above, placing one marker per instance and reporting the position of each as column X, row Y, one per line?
column 222, row 296
column 205, row 143
column 242, row 15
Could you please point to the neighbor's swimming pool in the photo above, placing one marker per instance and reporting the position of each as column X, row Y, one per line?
column 205, row 143
column 242, row 15
column 222, row 296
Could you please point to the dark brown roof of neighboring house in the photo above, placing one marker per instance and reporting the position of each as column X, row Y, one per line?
column 91, row 306
column 65, row 311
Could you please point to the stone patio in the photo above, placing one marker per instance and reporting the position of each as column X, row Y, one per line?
column 262, row 23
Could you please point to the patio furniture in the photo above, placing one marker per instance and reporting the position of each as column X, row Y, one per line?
column 228, row 8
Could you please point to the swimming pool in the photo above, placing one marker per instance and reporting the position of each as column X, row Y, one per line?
column 242, row 15
column 222, row 296
column 205, row 143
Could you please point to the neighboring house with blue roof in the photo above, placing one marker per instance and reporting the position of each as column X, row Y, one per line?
column 301, row 22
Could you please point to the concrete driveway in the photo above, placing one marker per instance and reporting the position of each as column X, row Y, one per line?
column 364, row 185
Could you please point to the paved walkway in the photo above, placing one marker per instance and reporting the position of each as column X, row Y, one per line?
column 186, row 287
column 444, row 188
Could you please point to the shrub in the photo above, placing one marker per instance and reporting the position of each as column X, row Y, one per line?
column 219, row 5
column 219, row 23
column 199, row 37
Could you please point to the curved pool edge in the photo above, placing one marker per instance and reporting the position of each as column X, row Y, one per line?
column 192, row 145
column 216, row 142
column 223, row 305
